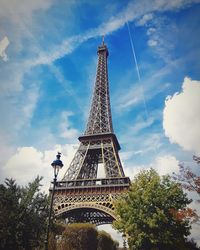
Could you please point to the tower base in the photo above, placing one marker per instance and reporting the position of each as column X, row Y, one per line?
column 89, row 200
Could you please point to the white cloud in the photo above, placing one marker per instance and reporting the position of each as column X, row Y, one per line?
column 159, row 37
column 129, row 154
column 166, row 164
column 20, row 12
column 141, row 144
column 131, row 172
column 152, row 43
column 141, row 123
column 28, row 162
column 12, row 75
column 18, row 111
column 133, row 11
column 18, row 9
column 29, row 105
column 3, row 46
column 181, row 121
column 144, row 20
column 7, row 149
column 151, row 31
column 66, row 130
column 142, row 91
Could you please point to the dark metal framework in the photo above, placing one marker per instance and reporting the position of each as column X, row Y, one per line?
column 81, row 196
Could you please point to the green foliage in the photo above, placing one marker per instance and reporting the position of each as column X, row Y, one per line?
column 23, row 213
column 187, row 178
column 190, row 182
column 82, row 236
column 146, row 213
column 79, row 236
column 105, row 242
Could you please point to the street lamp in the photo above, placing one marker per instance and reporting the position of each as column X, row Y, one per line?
column 124, row 240
column 57, row 165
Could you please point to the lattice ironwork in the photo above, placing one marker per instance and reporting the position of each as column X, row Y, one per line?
column 100, row 120
column 92, row 152
column 81, row 196
column 92, row 203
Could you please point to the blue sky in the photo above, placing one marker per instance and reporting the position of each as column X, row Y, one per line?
column 47, row 69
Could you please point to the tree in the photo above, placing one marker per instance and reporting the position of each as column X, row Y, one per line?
column 189, row 180
column 82, row 236
column 79, row 236
column 105, row 241
column 23, row 213
column 146, row 213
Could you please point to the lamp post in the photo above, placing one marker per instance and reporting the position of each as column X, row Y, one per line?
column 124, row 241
column 57, row 165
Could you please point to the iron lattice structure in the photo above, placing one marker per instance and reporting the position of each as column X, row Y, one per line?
column 82, row 196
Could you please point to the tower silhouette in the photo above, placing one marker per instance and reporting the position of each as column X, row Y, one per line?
column 95, row 177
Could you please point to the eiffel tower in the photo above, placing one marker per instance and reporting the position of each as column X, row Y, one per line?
column 82, row 195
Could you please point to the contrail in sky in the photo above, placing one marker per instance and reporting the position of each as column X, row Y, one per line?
column 137, row 68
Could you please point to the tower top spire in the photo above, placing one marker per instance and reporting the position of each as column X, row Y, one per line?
column 103, row 40
column 102, row 48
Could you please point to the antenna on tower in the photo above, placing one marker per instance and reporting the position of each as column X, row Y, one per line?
column 103, row 40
